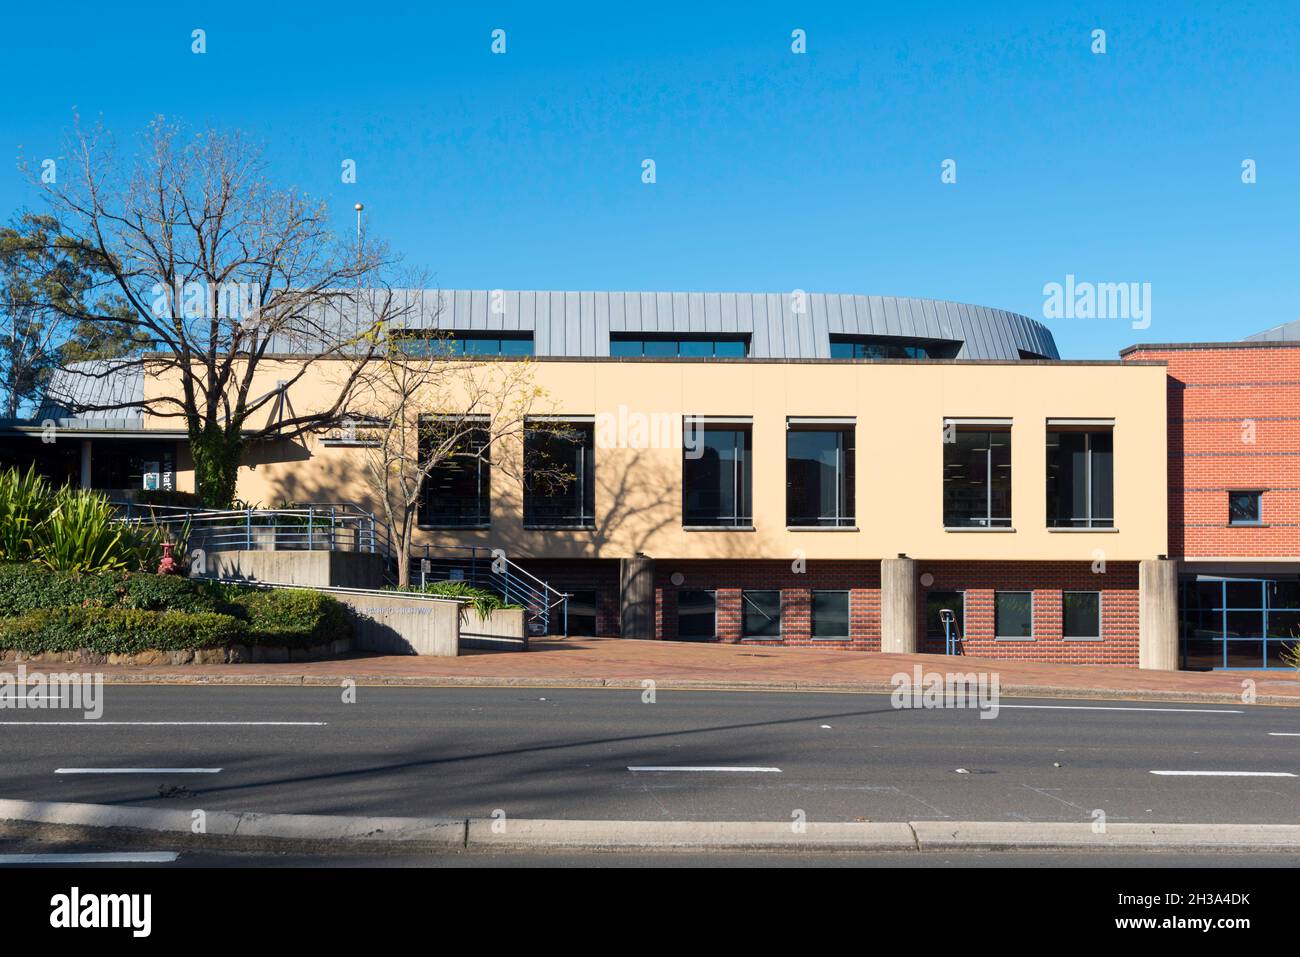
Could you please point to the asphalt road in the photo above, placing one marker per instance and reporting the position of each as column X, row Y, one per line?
column 461, row 752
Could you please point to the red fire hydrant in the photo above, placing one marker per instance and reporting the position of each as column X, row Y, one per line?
column 168, row 564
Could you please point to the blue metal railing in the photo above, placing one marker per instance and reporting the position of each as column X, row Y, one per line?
column 485, row 567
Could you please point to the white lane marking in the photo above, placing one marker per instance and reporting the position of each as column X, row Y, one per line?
column 703, row 768
column 136, row 857
column 136, row 770
column 1226, row 774
column 1082, row 707
column 1284, row 734
column 224, row 724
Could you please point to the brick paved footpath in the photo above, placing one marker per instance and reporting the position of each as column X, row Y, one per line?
column 611, row 662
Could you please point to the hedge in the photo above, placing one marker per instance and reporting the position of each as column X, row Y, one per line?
column 125, row 613
column 125, row 631
column 288, row 615
column 28, row 587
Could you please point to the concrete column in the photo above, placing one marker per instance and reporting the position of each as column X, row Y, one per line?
column 898, row 605
column 85, row 463
column 1158, row 614
column 636, row 582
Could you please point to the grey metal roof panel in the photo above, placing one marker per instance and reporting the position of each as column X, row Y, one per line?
column 579, row 323
column 1286, row 332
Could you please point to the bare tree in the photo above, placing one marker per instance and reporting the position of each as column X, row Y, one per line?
column 221, row 272
column 417, row 408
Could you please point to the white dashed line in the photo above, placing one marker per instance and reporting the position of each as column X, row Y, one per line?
column 137, row 770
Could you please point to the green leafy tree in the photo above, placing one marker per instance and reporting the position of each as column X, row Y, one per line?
column 46, row 280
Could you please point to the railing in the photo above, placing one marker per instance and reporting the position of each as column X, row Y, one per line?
column 325, row 526
column 484, row 567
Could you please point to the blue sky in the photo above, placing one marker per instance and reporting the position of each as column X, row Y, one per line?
column 775, row 171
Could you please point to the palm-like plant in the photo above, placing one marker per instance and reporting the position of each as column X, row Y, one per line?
column 82, row 534
column 25, row 501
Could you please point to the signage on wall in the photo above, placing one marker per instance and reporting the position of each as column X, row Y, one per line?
column 152, row 477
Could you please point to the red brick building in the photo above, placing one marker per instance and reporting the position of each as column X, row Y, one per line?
column 1234, row 497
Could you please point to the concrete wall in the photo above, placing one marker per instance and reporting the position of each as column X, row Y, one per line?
column 316, row 568
column 403, row 624
column 503, row 629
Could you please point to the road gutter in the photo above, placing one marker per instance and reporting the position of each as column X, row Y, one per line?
column 326, row 833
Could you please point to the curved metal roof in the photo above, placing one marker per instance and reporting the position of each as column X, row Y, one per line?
column 579, row 324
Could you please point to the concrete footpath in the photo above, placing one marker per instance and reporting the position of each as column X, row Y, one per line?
column 310, row 832
column 616, row 663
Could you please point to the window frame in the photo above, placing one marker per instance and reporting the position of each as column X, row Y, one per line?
column 1090, row 521
column 990, row 523
column 742, row 475
column 583, row 488
column 1259, row 507
column 845, row 469
column 713, row 596
column 744, row 614
column 1101, row 604
column 960, row 621
column 812, row 613
column 1033, row 635
column 484, row 481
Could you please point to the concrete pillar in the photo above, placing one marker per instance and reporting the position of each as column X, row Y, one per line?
column 636, row 583
column 85, row 463
column 1158, row 614
column 898, row 605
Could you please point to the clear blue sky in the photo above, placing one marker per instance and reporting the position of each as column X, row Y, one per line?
column 775, row 171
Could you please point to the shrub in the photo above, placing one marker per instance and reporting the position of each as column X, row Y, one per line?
column 288, row 615
column 24, row 502
column 117, row 630
column 480, row 599
column 25, row 588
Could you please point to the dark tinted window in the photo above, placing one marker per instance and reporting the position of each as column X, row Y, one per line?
column 716, row 475
column 1014, row 614
column 1243, row 508
column 560, row 475
column 819, row 476
column 935, row 603
column 976, row 478
column 1081, row 614
column 458, row 490
column 762, row 614
column 830, row 614
column 696, row 614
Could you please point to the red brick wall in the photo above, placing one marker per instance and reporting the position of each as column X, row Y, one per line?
column 1234, row 423
column 1118, row 586
column 979, row 581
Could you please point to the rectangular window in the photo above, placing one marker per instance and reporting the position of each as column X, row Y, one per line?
column 458, row 490
column 830, row 614
column 1244, row 508
column 697, row 615
column 1081, row 614
column 1013, row 614
column 892, row 347
column 716, row 473
column 560, row 474
column 638, row 345
column 442, row 342
column 1080, row 478
column 762, row 614
column 976, row 477
column 935, row 603
column 819, row 475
